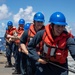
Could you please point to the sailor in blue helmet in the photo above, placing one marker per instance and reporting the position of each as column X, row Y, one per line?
column 9, row 43
column 56, row 43
column 19, row 32
column 26, row 26
column 37, row 25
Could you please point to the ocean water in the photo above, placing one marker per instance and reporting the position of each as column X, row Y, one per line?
column 2, row 44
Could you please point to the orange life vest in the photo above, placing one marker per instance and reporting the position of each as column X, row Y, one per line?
column 31, row 34
column 11, row 31
column 55, row 49
column 19, row 34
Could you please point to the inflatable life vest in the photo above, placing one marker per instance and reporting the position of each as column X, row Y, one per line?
column 19, row 33
column 55, row 49
column 31, row 34
column 11, row 31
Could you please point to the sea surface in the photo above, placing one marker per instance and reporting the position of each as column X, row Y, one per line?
column 2, row 44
